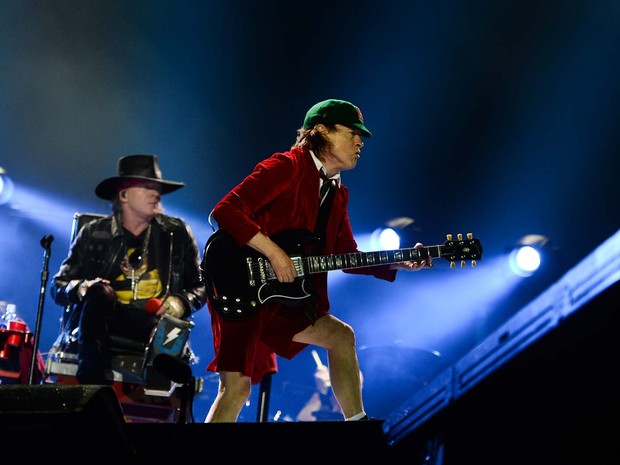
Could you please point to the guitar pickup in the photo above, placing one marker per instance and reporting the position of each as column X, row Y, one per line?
column 299, row 266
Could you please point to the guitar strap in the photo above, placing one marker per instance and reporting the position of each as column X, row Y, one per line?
column 319, row 240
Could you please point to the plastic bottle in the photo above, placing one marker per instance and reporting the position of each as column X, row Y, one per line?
column 15, row 325
column 10, row 314
column 3, row 305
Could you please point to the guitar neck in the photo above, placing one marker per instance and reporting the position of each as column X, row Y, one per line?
column 321, row 264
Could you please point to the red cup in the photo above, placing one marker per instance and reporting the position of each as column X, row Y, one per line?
column 17, row 328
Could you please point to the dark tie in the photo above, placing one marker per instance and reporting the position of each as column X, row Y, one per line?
column 327, row 183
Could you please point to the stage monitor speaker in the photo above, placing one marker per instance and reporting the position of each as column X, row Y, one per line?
column 81, row 422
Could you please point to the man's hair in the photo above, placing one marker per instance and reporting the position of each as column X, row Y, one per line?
column 314, row 140
column 116, row 205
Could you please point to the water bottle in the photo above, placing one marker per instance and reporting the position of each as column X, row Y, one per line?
column 3, row 304
column 15, row 325
column 8, row 313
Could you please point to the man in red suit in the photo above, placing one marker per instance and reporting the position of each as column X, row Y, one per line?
column 281, row 196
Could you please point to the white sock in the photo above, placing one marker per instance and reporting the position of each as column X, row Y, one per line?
column 357, row 416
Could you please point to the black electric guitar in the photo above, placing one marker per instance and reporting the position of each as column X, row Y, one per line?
column 240, row 279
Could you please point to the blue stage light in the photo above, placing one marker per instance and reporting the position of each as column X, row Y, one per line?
column 528, row 255
column 394, row 234
column 385, row 239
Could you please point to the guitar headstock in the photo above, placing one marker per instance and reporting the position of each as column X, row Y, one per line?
column 462, row 249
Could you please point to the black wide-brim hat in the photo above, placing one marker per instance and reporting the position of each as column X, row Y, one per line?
column 135, row 168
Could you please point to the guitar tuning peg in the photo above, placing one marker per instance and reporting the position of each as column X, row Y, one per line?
column 470, row 236
column 452, row 265
column 474, row 264
column 459, row 237
column 463, row 263
column 449, row 237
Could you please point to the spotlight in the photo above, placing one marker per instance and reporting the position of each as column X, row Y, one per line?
column 528, row 255
column 6, row 187
column 395, row 232
column 385, row 239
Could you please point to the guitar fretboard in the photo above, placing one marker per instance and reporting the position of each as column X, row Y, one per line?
column 319, row 264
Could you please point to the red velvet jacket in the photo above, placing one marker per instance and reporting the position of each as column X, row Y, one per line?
column 282, row 194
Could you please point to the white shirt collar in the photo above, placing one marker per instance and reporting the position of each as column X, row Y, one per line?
column 320, row 167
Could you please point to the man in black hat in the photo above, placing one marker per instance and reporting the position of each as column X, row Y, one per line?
column 126, row 270
column 281, row 312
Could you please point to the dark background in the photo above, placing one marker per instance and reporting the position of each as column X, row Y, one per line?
column 498, row 118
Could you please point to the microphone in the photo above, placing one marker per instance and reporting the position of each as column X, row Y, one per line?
column 174, row 368
column 152, row 305
column 46, row 241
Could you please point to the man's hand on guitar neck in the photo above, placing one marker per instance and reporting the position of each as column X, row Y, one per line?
column 414, row 265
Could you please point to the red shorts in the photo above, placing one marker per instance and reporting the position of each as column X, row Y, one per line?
column 250, row 346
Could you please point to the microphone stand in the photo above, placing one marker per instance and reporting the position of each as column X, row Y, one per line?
column 46, row 242
column 186, row 395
